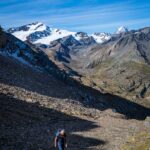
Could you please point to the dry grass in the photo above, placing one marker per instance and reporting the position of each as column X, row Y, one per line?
column 140, row 141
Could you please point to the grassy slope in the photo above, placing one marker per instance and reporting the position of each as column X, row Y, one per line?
column 115, row 79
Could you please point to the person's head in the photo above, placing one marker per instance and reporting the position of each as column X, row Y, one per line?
column 62, row 132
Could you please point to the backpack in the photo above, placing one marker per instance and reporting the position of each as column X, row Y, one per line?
column 57, row 132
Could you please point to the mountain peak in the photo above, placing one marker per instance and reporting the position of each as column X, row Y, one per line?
column 122, row 29
column 101, row 37
column 33, row 30
column 35, row 23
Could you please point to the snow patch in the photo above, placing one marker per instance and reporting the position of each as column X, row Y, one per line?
column 22, row 35
column 20, row 59
column 55, row 34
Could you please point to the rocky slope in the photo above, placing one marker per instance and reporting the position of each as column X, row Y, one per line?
column 32, row 55
column 120, row 65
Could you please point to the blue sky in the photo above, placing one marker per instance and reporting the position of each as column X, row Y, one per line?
column 77, row 15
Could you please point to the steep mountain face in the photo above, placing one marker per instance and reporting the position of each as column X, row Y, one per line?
column 16, row 48
column 59, row 51
column 34, row 56
column 132, row 46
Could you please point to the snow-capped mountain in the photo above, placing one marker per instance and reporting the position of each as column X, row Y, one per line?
column 40, row 33
column 32, row 31
column 84, row 38
column 54, row 35
column 101, row 37
column 121, row 29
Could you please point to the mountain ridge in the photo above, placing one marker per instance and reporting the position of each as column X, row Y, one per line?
column 40, row 33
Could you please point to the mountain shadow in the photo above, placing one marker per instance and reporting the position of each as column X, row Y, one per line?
column 30, row 126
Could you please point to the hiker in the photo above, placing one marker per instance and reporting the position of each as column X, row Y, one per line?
column 60, row 140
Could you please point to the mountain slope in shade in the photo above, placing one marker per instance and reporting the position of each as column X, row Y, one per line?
column 33, row 56
column 15, row 48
